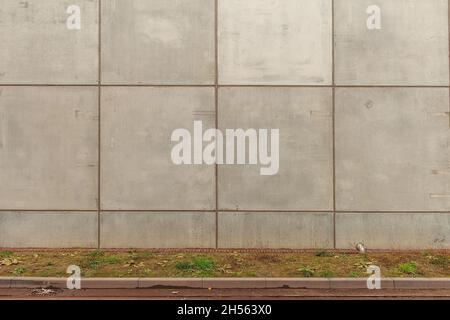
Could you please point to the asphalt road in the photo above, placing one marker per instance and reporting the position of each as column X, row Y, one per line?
column 238, row 294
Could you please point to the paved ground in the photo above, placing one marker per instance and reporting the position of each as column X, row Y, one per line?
column 205, row 294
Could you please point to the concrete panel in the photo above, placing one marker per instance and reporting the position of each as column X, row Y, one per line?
column 158, row 42
column 38, row 48
column 48, row 229
column 137, row 171
column 275, row 42
column 157, row 229
column 393, row 230
column 305, row 179
column 392, row 149
column 48, row 148
column 411, row 48
column 295, row 230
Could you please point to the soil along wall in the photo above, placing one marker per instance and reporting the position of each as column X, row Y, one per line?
column 332, row 118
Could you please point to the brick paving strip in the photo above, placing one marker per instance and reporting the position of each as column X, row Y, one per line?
column 226, row 283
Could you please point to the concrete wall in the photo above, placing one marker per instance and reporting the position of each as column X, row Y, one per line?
column 86, row 117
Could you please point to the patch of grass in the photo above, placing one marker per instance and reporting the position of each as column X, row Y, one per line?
column 200, row 264
column 408, row 268
column 6, row 254
column 183, row 265
column 323, row 253
column 203, row 263
column 306, row 272
column 19, row 271
column 96, row 254
column 98, row 258
column 111, row 260
column 329, row 263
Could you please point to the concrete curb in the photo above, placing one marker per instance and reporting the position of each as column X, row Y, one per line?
column 226, row 283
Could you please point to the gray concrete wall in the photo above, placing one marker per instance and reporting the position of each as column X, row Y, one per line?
column 86, row 117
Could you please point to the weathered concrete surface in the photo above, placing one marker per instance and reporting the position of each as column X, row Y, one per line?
column 275, row 42
column 296, row 230
column 305, row 178
column 411, row 48
column 392, row 145
column 392, row 149
column 48, row 148
column 48, row 229
column 393, row 230
column 157, row 229
column 137, row 171
column 37, row 48
column 158, row 42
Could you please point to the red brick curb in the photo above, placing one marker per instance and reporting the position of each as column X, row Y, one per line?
column 226, row 283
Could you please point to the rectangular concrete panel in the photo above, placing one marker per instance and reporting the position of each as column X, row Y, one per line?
column 275, row 230
column 393, row 230
column 158, row 42
column 392, row 149
column 37, row 47
column 410, row 48
column 48, row 148
column 137, row 172
column 48, row 229
column 304, row 181
column 157, row 229
column 275, row 42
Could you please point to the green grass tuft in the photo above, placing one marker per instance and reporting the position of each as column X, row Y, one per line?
column 408, row 268
column 19, row 271
column 306, row 272
column 203, row 264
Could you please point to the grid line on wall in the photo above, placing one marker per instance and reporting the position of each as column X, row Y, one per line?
column 333, row 117
column 216, row 106
column 224, row 86
column 222, row 211
column 99, row 206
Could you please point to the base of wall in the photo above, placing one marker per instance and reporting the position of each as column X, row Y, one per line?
column 237, row 230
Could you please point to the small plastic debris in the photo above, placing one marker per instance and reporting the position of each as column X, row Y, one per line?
column 360, row 248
